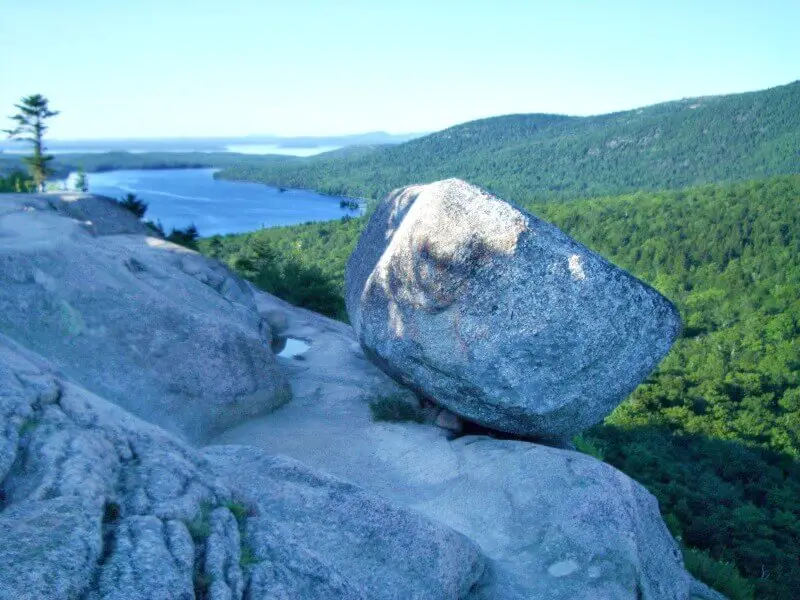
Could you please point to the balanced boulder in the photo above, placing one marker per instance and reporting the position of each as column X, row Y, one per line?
column 498, row 315
column 555, row 523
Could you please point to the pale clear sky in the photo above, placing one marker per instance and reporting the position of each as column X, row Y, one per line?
column 293, row 67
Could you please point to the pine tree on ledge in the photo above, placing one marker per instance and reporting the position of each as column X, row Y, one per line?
column 30, row 127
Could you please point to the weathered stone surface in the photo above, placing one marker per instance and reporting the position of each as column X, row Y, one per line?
column 95, row 499
column 102, row 505
column 48, row 548
column 290, row 570
column 498, row 315
column 160, row 330
column 307, row 515
column 223, row 557
column 150, row 560
column 557, row 524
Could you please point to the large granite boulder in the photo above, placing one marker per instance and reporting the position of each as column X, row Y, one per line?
column 556, row 524
column 159, row 329
column 498, row 315
column 97, row 504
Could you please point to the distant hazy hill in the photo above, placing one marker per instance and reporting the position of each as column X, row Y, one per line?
column 536, row 157
column 354, row 139
column 112, row 161
column 212, row 144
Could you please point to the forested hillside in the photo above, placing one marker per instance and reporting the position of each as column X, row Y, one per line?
column 538, row 157
column 715, row 432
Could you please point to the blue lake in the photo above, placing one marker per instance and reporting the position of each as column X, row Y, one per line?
column 179, row 197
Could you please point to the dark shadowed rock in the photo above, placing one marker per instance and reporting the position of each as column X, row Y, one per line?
column 498, row 315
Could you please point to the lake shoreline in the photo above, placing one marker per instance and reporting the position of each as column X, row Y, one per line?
column 185, row 196
column 362, row 201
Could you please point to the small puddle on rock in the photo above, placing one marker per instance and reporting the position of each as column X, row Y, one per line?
column 291, row 347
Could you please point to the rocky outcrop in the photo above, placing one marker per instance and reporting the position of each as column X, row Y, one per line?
column 153, row 327
column 381, row 553
column 98, row 504
column 497, row 315
column 101, row 504
column 556, row 524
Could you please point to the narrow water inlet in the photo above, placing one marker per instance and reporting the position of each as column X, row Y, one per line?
column 289, row 347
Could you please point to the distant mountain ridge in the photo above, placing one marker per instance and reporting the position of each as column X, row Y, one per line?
column 352, row 139
column 209, row 144
column 537, row 157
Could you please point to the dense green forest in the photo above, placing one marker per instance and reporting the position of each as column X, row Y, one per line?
column 16, row 181
column 303, row 264
column 714, row 433
column 540, row 157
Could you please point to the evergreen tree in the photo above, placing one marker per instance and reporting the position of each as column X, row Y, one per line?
column 16, row 181
column 135, row 205
column 187, row 236
column 30, row 127
column 82, row 181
